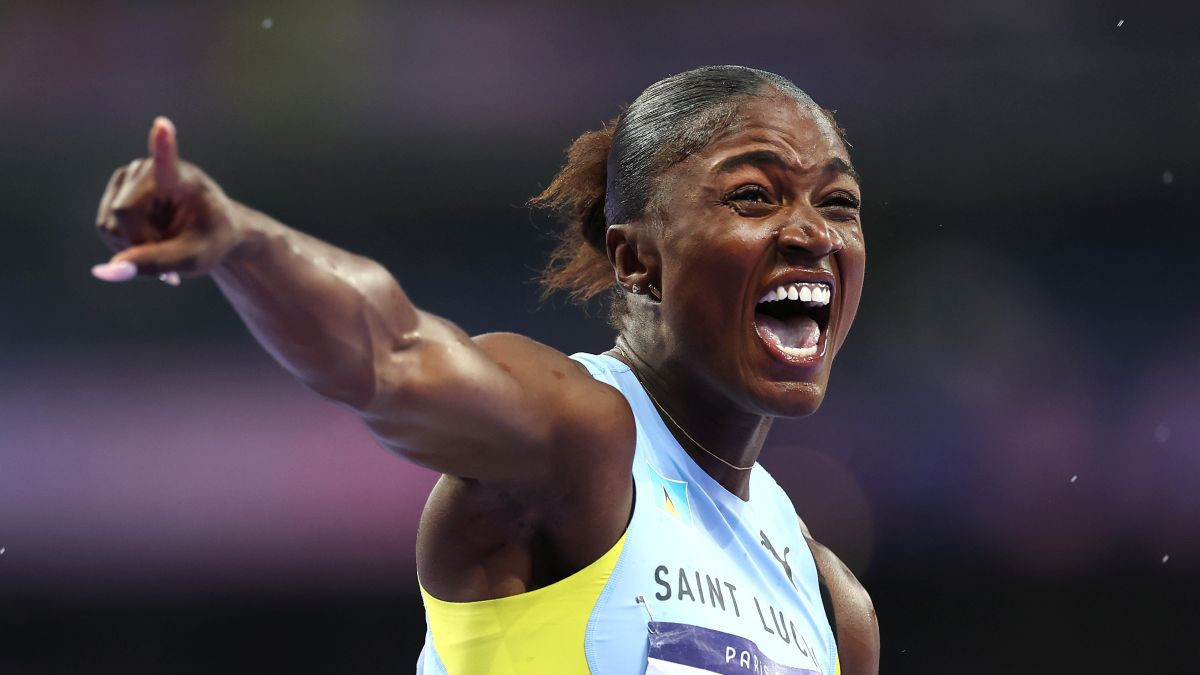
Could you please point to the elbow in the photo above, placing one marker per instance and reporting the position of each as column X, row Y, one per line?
column 386, row 363
column 397, row 410
column 415, row 367
column 356, row 396
column 403, row 378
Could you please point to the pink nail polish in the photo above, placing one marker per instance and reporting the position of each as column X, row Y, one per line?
column 118, row 271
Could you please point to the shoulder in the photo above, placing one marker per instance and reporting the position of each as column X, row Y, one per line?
column 854, row 613
column 588, row 410
column 483, row 538
column 523, row 348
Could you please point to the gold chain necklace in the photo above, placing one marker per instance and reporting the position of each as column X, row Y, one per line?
column 677, row 425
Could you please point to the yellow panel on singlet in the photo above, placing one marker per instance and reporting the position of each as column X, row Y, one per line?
column 534, row 633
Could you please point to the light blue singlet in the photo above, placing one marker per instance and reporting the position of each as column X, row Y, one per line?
column 705, row 582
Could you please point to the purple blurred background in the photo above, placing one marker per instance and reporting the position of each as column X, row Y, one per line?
column 1009, row 456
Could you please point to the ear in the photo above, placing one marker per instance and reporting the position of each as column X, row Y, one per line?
column 633, row 255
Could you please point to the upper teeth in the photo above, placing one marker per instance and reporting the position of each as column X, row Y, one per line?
column 816, row 294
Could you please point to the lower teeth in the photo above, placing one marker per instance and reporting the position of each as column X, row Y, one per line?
column 799, row 351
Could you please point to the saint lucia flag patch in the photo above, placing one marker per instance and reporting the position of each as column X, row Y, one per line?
column 671, row 496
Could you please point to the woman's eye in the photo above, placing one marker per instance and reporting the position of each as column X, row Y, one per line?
column 843, row 204
column 749, row 193
column 843, row 200
column 750, row 198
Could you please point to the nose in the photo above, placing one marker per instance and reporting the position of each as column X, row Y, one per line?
column 809, row 234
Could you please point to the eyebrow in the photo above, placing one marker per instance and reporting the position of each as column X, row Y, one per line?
column 842, row 166
column 770, row 157
column 751, row 158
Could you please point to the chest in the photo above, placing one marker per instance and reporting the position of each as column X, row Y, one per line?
column 703, row 578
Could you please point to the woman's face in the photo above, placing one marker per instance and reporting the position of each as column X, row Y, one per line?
column 772, row 202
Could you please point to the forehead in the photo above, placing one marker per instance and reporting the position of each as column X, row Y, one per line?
column 801, row 132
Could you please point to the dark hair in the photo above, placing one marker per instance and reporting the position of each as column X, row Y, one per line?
column 611, row 174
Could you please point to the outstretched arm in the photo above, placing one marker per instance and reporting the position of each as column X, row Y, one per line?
column 328, row 316
column 498, row 409
column 323, row 313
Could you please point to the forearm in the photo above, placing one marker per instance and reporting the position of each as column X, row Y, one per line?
column 327, row 315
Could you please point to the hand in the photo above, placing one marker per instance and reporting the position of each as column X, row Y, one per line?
column 165, row 217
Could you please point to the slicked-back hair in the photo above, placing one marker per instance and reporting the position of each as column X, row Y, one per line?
column 611, row 174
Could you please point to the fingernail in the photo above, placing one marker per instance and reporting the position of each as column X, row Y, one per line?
column 169, row 278
column 115, row 271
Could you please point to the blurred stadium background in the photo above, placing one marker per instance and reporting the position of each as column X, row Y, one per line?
column 1009, row 456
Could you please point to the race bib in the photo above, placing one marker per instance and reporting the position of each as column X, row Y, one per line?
column 680, row 649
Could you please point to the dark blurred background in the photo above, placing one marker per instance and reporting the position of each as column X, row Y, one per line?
column 1009, row 456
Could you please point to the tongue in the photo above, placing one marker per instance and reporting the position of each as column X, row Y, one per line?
column 794, row 332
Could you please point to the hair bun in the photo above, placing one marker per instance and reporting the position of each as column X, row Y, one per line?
column 579, row 263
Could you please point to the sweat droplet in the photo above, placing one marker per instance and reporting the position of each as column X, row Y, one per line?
column 267, row 23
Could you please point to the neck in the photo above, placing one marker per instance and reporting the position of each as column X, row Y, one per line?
column 706, row 424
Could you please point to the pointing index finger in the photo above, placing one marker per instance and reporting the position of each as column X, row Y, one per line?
column 165, row 152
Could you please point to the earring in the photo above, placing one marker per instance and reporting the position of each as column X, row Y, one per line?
column 635, row 289
column 654, row 292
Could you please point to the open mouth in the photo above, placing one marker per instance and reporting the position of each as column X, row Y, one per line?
column 792, row 320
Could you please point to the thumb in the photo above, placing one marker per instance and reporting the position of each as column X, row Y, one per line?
column 164, row 150
column 154, row 259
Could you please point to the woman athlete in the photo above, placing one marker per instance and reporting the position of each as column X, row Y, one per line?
column 596, row 513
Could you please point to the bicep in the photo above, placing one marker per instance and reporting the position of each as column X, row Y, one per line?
column 499, row 408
